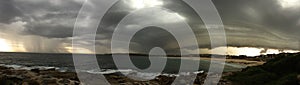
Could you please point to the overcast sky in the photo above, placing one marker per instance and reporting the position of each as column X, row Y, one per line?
column 47, row 25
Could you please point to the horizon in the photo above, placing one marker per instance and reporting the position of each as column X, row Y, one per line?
column 271, row 51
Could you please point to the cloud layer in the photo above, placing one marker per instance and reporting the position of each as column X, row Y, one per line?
column 47, row 25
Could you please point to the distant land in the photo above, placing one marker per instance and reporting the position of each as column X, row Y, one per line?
column 131, row 54
column 140, row 54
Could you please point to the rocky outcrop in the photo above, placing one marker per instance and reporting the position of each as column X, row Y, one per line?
column 298, row 78
column 10, row 76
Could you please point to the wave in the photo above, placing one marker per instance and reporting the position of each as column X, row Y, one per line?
column 139, row 75
column 22, row 67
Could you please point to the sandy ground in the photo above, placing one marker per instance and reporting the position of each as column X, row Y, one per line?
column 239, row 61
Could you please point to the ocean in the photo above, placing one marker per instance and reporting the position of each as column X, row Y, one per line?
column 64, row 63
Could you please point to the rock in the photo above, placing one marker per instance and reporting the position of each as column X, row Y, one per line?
column 165, row 80
column 25, row 83
column 3, row 68
column 298, row 78
column 10, row 80
column 19, row 77
column 121, row 81
column 36, row 70
column 47, row 81
column 74, row 78
column 30, row 82
column 76, row 83
column 51, row 69
column 64, row 81
column 45, row 76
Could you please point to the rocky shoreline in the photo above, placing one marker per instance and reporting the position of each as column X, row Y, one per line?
column 11, row 76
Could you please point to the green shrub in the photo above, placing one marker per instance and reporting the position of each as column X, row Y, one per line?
column 281, row 70
column 290, row 79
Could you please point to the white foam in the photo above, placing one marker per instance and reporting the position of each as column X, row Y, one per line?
column 21, row 67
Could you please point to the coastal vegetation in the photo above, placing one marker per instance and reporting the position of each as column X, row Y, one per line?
column 282, row 70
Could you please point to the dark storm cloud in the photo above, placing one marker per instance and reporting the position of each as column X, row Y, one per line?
column 53, row 19
column 8, row 11
column 250, row 23
column 146, row 39
column 265, row 23
column 38, row 25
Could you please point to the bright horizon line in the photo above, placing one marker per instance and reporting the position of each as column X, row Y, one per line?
column 285, row 51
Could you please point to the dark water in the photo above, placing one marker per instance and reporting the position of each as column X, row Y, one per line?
column 65, row 61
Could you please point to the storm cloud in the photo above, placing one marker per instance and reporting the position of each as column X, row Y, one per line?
column 47, row 25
